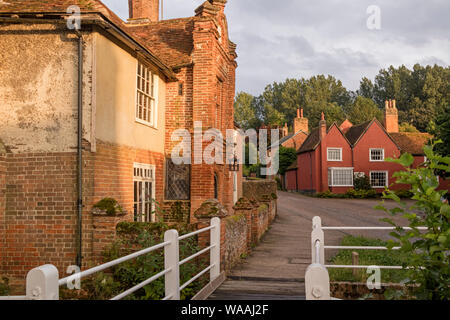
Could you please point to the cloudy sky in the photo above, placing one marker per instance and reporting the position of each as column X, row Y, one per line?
column 279, row 39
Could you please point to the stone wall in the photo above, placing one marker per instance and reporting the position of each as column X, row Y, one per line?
column 241, row 230
column 235, row 240
column 258, row 189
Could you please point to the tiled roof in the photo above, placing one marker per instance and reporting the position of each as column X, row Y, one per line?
column 293, row 166
column 57, row 6
column 172, row 39
column 86, row 6
column 412, row 143
column 311, row 141
column 354, row 133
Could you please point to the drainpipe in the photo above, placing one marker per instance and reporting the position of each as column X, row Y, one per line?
column 80, row 151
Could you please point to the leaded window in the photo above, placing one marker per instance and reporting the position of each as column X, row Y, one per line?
column 379, row 179
column 177, row 181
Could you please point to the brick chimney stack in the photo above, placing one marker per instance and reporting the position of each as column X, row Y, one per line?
column 322, row 127
column 285, row 130
column 143, row 11
column 391, row 116
column 300, row 123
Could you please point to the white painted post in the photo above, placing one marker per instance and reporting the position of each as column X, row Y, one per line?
column 317, row 235
column 215, row 252
column 42, row 283
column 171, row 261
column 317, row 283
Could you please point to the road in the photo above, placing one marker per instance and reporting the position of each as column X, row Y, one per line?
column 276, row 267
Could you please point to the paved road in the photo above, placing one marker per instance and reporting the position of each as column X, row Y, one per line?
column 276, row 267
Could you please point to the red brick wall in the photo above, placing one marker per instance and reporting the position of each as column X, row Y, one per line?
column 40, row 214
column 40, row 220
column 375, row 137
column 2, row 208
column 291, row 180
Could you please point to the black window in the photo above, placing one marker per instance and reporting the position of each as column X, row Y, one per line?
column 177, row 181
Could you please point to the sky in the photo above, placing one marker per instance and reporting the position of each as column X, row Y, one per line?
column 280, row 39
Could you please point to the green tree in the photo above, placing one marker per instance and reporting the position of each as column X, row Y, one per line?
column 441, row 130
column 406, row 127
column 286, row 157
column 428, row 265
column 364, row 109
column 245, row 113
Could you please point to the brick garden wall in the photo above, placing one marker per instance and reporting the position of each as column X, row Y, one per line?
column 39, row 223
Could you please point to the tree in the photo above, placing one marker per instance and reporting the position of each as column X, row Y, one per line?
column 442, row 132
column 245, row 113
column 427, row 251
column 366, row 88
column 406, row 127
column 364, row 109
column 286, row 157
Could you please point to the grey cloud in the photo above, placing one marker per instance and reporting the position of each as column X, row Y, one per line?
column 301, row 38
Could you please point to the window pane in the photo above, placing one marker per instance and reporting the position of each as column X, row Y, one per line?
column 378, row 179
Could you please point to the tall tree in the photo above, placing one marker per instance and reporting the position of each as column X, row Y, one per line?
column 364, row 109
column 245, row 113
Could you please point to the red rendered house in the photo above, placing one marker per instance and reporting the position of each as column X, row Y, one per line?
column 331, row 157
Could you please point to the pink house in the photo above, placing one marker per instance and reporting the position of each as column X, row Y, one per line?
column 332, row 156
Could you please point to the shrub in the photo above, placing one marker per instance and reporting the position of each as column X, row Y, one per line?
column 405, row 194
column 135, row 237
column 362, row 183
column 361, row 194
column 4, row 286
column 110, row 206
column 427, row 250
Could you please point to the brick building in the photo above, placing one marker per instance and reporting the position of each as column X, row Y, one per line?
column 332, row 156
column 130, row 85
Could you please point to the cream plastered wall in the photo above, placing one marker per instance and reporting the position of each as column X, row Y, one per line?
column 116, row 99
column 38, row 88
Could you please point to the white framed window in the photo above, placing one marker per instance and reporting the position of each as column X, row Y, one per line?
column 144, row 192
column 379, row 179
column 340, row 177
column 334, row 154
column 376, row 155
column 146, row 96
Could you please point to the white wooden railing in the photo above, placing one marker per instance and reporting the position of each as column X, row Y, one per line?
column 317, row 280
column 43, row 282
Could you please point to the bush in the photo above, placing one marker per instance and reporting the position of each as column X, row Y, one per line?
column 361, row 194
column 404, row 194
column 428, row 251
column 4, row 286
column 135, row 237
column 362, row 183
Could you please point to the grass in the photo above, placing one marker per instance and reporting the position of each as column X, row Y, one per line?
column 367, row 258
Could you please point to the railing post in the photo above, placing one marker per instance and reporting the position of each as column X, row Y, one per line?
column 317, row 235
column 42, row 283
column 215, row 252
column 171, row 261
column 317, row 283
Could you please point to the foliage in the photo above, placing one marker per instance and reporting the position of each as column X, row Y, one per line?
column 406, row 127
column 441, row 130
column 124, row 276
column 367, row 258
column 361, row 194
column 362, row 183
column 286, row 157
column 350, row 194
column 428, row 250
column 110, row 206
column 4, row 286
column 422, row 94
column 364, row 109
